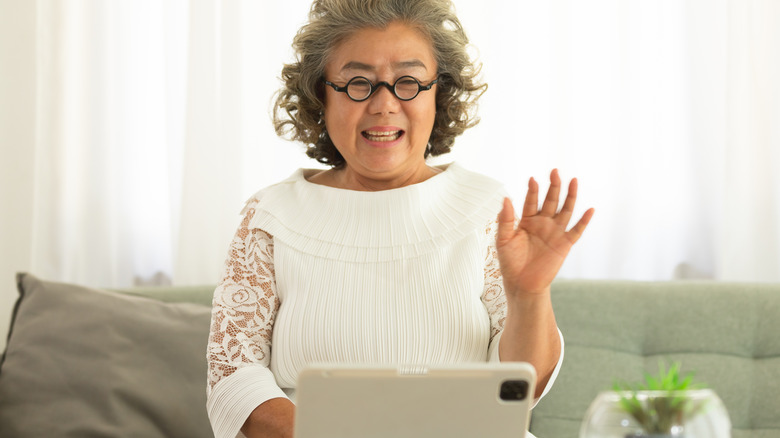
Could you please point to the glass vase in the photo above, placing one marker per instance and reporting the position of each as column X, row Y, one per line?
column 656, row 414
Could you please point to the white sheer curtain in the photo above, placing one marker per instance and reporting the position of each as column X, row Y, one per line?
column 152, row 127
column 668, row 113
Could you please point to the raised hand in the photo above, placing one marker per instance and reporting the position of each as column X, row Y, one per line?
column 531, row 255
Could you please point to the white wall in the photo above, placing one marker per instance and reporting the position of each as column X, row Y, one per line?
column 17, row 146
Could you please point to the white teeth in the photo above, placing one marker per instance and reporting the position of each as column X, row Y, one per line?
column 382, row 132
column 381, row 136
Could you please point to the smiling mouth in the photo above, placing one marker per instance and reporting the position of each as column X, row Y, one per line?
column 382, row 136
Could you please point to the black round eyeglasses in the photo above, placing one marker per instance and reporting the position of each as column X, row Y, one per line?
column 360, row 88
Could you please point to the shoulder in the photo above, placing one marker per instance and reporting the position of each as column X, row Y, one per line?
column 276, row 190
column 471, row 191
column 460, row 175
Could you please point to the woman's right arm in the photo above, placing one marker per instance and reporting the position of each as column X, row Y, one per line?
column 272, row 419
column 242, row 391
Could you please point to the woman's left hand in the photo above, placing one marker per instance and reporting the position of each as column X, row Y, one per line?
column 531, row 255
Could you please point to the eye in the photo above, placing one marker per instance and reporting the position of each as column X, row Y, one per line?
column 359, row 86
column 407, row 81
column 406, row 87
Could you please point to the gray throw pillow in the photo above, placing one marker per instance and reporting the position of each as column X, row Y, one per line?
column 83, row 363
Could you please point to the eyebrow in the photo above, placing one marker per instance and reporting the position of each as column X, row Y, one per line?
column 355, row 65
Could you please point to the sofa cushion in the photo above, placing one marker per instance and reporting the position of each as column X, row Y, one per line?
column 83, row 362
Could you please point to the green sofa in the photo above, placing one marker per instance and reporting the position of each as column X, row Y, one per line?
column 727, row 333
column 83, row 362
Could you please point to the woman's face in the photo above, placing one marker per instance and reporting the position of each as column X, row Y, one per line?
column 382, row 138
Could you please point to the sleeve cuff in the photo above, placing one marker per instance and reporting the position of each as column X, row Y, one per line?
column 554, row 373
column 235, row 397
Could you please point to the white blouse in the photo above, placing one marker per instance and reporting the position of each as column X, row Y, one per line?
column 319, row 274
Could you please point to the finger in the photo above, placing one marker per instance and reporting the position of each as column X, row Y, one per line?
column 568, row 205
column 576, row 231
column 506, row 222
column 550, row 205
column 531, row 206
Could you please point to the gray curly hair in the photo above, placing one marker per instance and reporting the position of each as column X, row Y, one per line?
column 298, row 108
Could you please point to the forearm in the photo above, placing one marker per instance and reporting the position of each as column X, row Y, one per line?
column 531, row 335
column 272, row 419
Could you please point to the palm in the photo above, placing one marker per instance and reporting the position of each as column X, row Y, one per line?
column 531, row 255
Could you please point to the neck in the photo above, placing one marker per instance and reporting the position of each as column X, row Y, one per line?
column 347, row 178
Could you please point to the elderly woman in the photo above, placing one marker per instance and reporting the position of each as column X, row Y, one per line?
column 381, row 258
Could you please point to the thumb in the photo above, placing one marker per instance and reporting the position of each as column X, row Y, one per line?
column 506, row 222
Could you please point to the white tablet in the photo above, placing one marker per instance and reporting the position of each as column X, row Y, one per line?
column 458, row 401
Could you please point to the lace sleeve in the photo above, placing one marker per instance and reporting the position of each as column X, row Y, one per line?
column 244, row 306
column 493, row 294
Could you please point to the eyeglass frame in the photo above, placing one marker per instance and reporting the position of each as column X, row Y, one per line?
column 420, row 87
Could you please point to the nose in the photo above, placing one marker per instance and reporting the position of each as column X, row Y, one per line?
column 383, row 101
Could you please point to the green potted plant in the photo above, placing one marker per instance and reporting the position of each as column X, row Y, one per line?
column 666, row 405
column 663, row 413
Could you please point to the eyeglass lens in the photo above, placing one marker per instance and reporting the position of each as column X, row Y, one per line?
column 405, row 88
